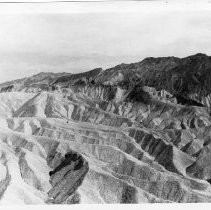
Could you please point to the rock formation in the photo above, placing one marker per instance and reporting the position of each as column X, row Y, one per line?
column 134, row 133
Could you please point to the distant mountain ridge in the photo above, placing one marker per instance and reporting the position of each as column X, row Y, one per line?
column 187, row 77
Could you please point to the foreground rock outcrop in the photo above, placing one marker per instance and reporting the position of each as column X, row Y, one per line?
column 67, row 176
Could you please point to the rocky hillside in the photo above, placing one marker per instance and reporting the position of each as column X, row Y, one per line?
column 134, row 133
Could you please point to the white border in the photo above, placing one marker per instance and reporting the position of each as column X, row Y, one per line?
column 99, row 7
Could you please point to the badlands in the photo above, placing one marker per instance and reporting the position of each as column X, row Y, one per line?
column 133, row 133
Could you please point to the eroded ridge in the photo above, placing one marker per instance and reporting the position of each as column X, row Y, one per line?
column 113, row 136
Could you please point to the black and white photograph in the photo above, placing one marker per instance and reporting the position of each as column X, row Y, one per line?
column 105, row 102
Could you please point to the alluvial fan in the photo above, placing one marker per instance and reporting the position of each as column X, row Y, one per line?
column 134, row 133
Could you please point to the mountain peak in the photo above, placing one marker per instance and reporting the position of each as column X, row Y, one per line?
column 200, row 55
column 197, row 56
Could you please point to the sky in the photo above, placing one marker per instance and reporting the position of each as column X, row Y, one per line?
column 78, row 37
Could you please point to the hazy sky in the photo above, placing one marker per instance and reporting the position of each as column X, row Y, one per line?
column 84, row 38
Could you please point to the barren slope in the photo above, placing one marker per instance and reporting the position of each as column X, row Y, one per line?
column 83, row 140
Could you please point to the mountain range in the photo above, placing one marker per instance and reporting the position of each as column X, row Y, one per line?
column 134, row 133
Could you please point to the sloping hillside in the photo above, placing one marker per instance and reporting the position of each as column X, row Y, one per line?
column 130, row 134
